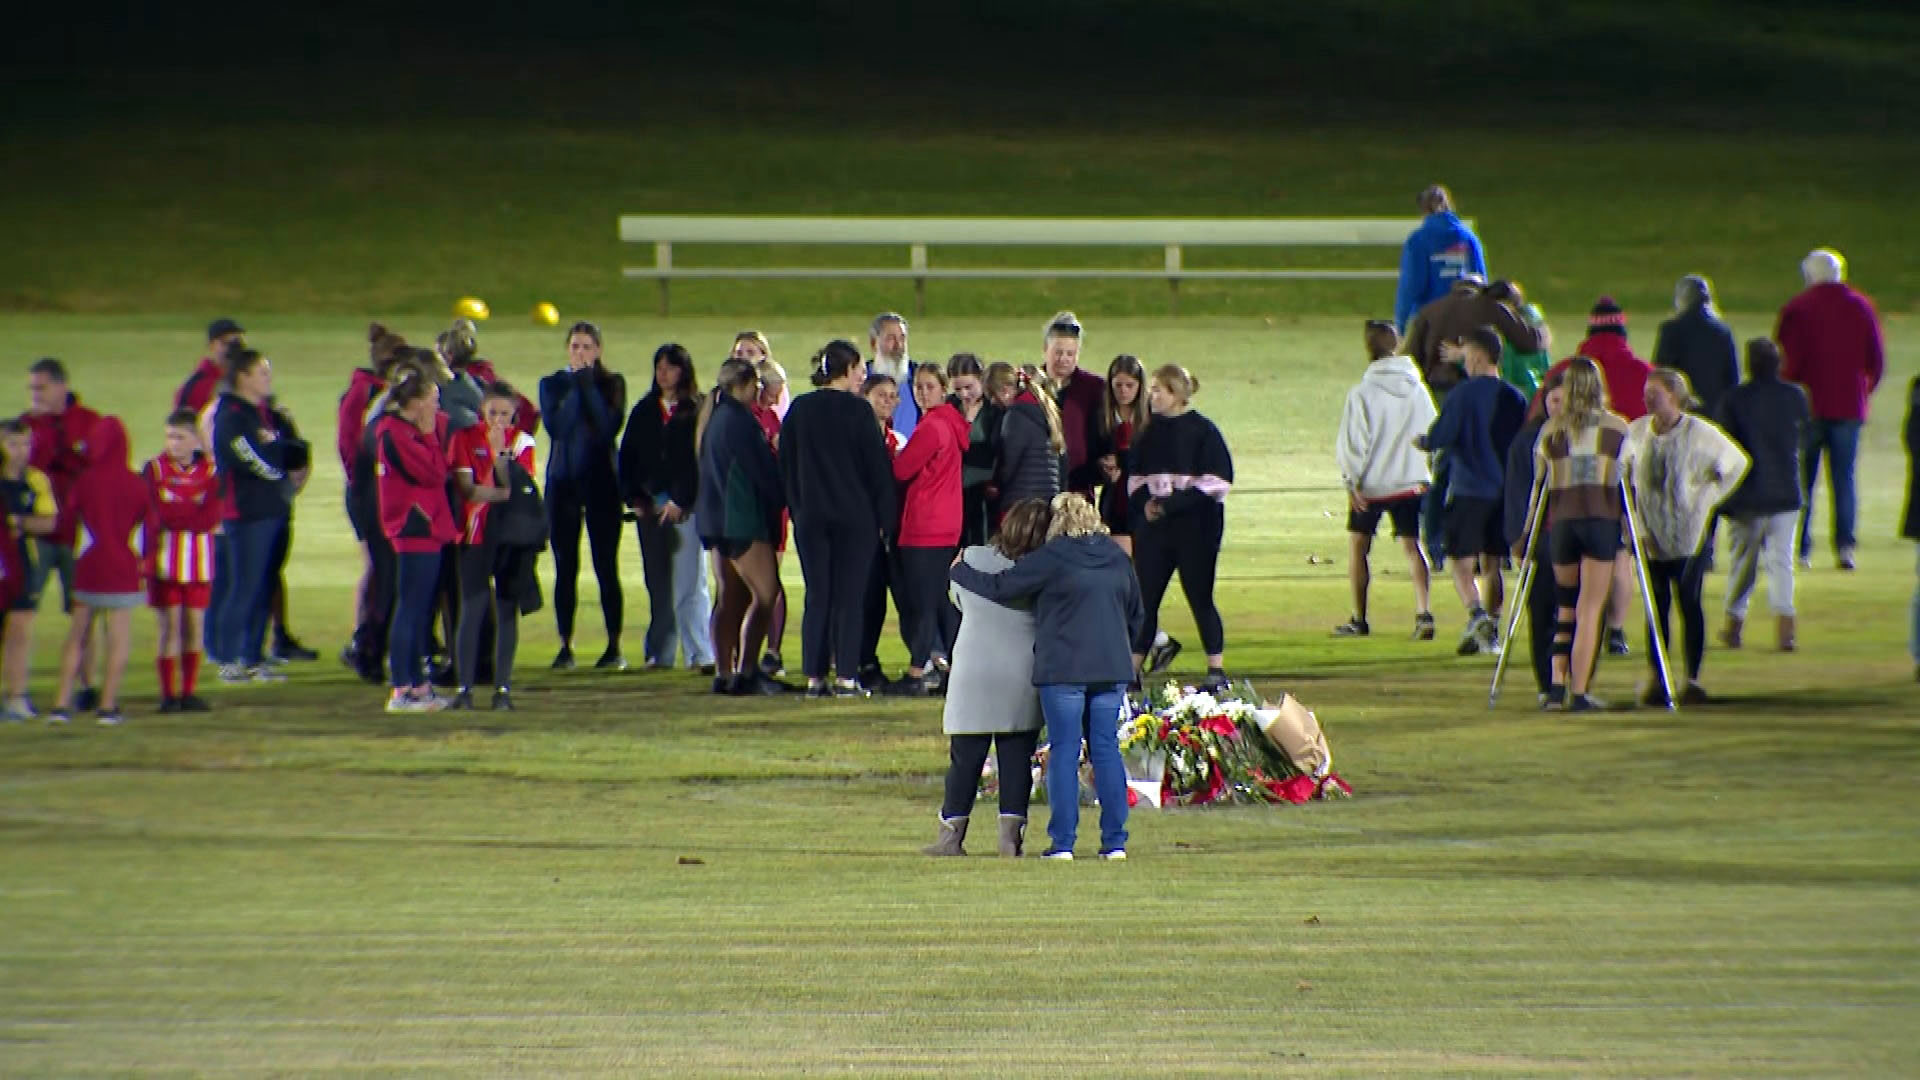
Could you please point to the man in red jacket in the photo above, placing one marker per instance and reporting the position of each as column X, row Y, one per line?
column 1830, row 334
column 1080, row 394
column 203, row 385
column 60, row 426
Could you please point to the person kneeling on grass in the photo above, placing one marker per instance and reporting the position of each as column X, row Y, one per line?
column 108, row 505
column 1385, row 476
column 1087, row 612
column 990, row 698
column 1681, row 467
column 183, row 509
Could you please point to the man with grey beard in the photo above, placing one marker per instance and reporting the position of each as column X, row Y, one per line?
column 887, row 344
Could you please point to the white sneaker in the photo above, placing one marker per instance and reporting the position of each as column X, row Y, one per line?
column 1118, row 854
column 261, row 673
column 19, row 711
column 1058, row 856
column 110, row 719
column 234, row 675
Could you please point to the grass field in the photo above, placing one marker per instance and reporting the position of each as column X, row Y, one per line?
column 627, row 876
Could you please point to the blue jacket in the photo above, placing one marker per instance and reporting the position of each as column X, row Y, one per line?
column 1086, row 608
column 906, row 415
column 1437, row 254
column 583, row 410
column 1476, row 426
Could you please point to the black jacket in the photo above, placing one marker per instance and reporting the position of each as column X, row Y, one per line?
column 1519, row 487
column 583, row 410
column 1769, row 419
column 740, row 494
column 253, row 468
column 1027, row 467
column 982, row 453
column 834, row 463
column 1184, row 462
column 656, row 454
column 1698, row 342
column 1086, row 608
column 1910, row 520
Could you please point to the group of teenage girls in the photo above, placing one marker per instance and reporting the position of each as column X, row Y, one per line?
column 719, row 481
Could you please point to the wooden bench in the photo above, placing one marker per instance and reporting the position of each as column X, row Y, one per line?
column 917, row 234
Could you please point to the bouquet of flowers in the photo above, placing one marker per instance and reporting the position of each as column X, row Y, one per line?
column 1187, row 747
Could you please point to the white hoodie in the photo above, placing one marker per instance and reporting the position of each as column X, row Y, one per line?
column 1384, row 414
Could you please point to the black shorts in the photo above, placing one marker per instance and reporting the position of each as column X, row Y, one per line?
column 1584, row 538
column 728, row 547
column 1473, row 526
column 1404, row 512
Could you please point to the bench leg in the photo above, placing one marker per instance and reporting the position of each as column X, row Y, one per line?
column 666, row 300
column 1173, row 295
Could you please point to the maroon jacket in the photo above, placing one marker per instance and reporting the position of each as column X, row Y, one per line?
column 929, row 467
column 110, row 500
column 60, row 451
column 351, row 425
column 1080, row 403
column 1830, row 335
column 411, row 475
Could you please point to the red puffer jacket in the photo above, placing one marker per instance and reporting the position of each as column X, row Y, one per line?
column 929, row 467
column 411, row 474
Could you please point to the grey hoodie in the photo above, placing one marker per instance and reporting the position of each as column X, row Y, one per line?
column 1384, row 413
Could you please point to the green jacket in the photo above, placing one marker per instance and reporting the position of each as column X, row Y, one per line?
column 1524, row 370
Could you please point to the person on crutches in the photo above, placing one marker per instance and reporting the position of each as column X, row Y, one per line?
column 1679, row 467
column 1578, row 460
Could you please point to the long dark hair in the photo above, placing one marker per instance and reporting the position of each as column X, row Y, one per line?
column 1136, row 414
column 835, row 358
column 676, row 355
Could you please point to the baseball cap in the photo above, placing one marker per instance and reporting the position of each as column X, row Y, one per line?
column 220, row 328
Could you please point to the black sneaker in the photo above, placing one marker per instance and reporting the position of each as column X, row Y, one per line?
column 772, row 665
column 1585, row 703
column 819, row 690
column 1160, row 657
column 726, row 685
column 765, row 685
column 709, row 670
column 86, row 699
column 169, row 705
column 462, row 701
column 563, row 660
column 1423, row 629
column 1216, row 683
column 872, row 677
column 1354, row 627
column 1617, row 642
column 194, row 703
column 503, row 700
column 1554, row 699
column 611, row 660
column 287, row 647
column 905, row 686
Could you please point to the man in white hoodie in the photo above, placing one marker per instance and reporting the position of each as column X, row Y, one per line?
column 1383, row 472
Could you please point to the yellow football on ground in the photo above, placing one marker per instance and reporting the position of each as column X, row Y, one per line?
column 471, row 307
column 546, row 314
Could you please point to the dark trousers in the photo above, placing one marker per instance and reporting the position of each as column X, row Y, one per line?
column 1191, row 548
column 1682, row 580
column 873, row 609
column 1542, row 612
column 920, row 594
column 835, row 561
column 596, row 504
column 248, row 597
column 416, row 579
column 967, row 755
column 487, row 599
column 277, row 607
column 212, row 639
column 376, row 607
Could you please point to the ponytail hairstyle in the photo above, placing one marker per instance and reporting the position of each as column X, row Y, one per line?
column 1031, row 380
column 771, row 373
column 1074, row 516
column 735, row 374
column 1136, row 414
column 1177, row 381
column 1675, row 382
column 1023, row 528
column 1586, row 396
column 835, row 359
column 382, row 345
column 414, row 384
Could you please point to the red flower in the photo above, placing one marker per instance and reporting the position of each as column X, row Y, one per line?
column 1166, row 726
column 1216, row 785
column 1294, row 789
column 1333, row 780
column 1133, row 798
column 1219, row 725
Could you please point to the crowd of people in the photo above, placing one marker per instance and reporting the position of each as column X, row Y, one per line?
column 1603, row 469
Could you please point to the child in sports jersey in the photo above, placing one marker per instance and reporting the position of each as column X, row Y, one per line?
column 176, row 542
column 108, row 505
column 479, row 458
column 26, row 496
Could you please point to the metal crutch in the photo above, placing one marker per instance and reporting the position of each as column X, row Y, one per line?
column 1536, row 509
column 1634, row 534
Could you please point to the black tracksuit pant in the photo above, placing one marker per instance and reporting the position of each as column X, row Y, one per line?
column 836, row 559
column 967, row 755
column 594, row 501
column 920, row 594
column 1542, row 612
column 1188, row 545
column 1684, row 581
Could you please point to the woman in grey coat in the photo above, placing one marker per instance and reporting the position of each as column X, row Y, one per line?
column 991, row 702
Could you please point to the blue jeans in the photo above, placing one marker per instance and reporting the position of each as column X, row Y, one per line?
column 680, row 603
column 248, row 599
column 416, row 584
column 1841, row 440
column 1091, row 714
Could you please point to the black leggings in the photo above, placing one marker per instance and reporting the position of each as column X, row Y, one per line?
column 1542, row 613
column 569, row 502
column 1191, row 548
column 967, row 755
column 835, row 561
column 881, row 576
column 1683, row 580
column 920, row 592
column 376, row 607
column 486, row 595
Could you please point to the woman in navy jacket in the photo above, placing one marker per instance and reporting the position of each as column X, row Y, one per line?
column 254, row 472
column 738, row 515
column 1087, row 611
column 583, row 406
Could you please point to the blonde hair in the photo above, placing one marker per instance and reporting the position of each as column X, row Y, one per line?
column 759, row 340
column 1031, row 378
column 1073, row 515
column 771, row 373
column 1586, row 396
column 1178, row 381
column 1676, row 383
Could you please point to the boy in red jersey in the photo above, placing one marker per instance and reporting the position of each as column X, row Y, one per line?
column 105, row 509
column 183, row 509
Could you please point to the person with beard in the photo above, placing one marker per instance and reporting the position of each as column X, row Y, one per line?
column 660, row 481
column 203, row 385
column 928, row 471
column 839, row 485
column 966, row 377
column 887, row 342
column 584, row 406
column 1078, row 396
column 1697, row 343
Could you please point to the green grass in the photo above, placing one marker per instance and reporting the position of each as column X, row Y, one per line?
column 299, row 885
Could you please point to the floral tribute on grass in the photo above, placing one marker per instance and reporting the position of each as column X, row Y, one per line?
column 1185, row 747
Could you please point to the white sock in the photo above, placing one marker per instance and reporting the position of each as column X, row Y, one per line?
column 1161, row 637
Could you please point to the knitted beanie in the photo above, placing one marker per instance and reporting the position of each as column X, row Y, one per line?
column 1607, row 318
